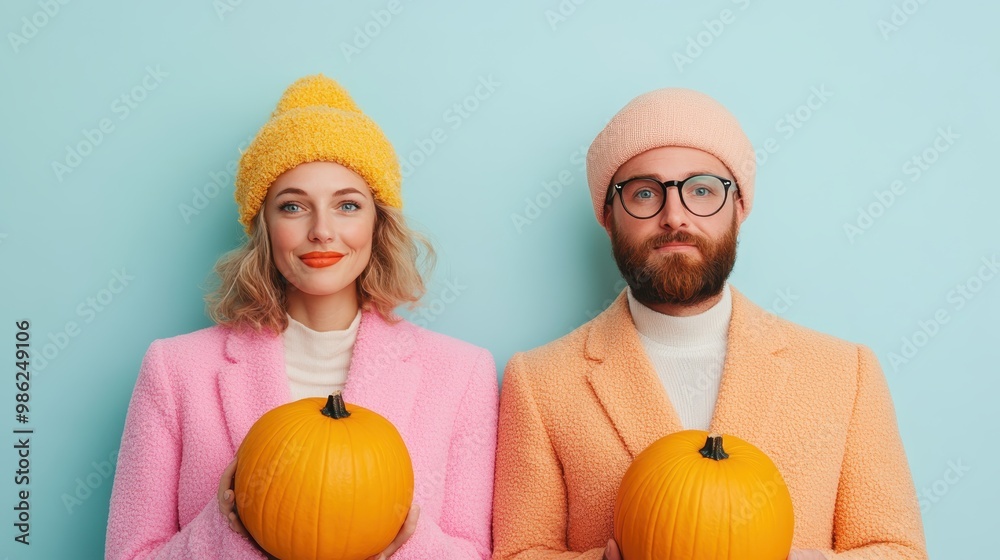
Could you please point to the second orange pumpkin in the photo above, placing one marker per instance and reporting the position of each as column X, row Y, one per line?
column 698, row 496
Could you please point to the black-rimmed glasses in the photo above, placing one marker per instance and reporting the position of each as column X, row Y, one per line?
column 644, row 197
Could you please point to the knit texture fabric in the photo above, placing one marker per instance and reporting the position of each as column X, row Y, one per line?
column 317, row 362
column 198, row 394
column 670, row 117
column 316, row 120
column 575, row 412
column 687, row 354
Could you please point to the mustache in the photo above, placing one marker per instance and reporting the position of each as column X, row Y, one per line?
column 674, row 237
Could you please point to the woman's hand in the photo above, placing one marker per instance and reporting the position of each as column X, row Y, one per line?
column 227, row 506
column 810, row 554
column 612, row 552
column 227, row 501
column 409, row 526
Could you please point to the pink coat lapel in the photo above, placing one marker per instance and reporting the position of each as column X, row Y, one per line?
column 253, row 381
column 381, row 377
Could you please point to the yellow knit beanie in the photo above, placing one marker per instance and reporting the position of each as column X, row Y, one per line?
column 316, row 120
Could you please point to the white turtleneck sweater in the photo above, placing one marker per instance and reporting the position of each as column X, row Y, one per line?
column 688, row 354
column 317, row 362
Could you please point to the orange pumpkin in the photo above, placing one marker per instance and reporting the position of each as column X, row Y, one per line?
column 687, row 497
column 317, row 482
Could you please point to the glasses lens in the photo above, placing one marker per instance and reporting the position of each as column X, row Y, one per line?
column 642, row 198
column 703, row 194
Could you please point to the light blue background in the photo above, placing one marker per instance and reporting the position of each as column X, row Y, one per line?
column 559, row 81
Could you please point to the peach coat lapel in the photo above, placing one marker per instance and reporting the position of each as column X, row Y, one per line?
column 253, row 380
column 754, row 373
column 625, row 382
column 630, row 391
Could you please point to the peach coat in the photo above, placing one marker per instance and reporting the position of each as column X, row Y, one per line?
column 575, row 412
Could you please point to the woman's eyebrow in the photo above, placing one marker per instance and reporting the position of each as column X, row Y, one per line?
column 290, row 190
column 296, row 190
column 347, row 190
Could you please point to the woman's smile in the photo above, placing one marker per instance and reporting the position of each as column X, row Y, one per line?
column 321, row 259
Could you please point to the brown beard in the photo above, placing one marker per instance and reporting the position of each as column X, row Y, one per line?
column 674, row 278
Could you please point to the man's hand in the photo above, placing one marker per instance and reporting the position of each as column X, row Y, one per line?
column 612, row 553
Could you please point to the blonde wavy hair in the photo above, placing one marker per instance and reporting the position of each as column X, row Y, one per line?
column 251, row 292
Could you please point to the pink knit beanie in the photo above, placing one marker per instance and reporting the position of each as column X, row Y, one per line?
column 670, row 117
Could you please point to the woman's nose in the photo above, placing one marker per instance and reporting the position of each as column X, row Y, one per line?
column 322, row 230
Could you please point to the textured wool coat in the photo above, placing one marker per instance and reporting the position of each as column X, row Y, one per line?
column 575, row 412
column 197, row 395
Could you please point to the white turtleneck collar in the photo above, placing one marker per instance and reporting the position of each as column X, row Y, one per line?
column 706, row 328
column 317, row 362
column 688, row 354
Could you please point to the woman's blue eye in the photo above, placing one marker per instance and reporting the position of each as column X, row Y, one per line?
column 290, row 207
column 645, row 193
column 350, row 206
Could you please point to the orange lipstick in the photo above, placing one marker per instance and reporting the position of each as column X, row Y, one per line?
column 321, row 259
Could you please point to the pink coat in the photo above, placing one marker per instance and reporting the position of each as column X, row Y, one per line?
column 198, row 394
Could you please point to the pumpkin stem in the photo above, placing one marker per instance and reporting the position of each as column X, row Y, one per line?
column 713, row 448
column 335, row 407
